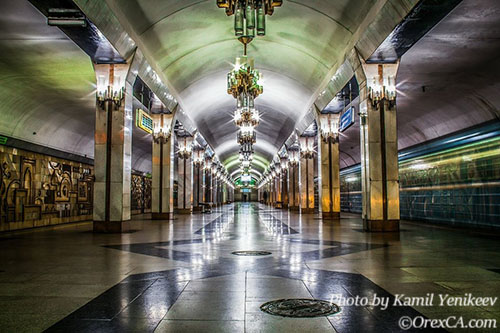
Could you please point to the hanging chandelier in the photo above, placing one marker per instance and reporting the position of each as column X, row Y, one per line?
column 249, row 15
column 243, row 82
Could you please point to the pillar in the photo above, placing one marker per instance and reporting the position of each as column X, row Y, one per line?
column 214, row 189
column 277, row 186
column 198, row 186
column 184, row 179
column 162, row 186
column 307, row 175
column 284, row 187
column 113, row 147
column 293, row 182
column 379, row 148
column 207, row 185
column 330, row 167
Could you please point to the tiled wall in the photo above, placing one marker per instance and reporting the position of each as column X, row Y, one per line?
column 460, row 185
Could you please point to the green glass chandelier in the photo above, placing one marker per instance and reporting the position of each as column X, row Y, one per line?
column 249, row 15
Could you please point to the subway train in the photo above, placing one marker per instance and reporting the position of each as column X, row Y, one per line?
column 453, row 180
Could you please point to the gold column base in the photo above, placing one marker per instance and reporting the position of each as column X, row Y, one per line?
column 331, row 216
column 111, row 226
column 307, row 210
column 381, row 225
column 162, row 216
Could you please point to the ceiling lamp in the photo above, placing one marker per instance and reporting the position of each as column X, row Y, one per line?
column 243, row 82
column 249, row 15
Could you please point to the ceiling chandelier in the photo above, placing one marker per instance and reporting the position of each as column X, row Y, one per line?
column 244, row 82
column 249, row 15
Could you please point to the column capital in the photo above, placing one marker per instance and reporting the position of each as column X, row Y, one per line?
column 162, row 127
column 329, row 127
column 307, row 146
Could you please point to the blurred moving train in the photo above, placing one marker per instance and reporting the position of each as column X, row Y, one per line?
column 451, row 180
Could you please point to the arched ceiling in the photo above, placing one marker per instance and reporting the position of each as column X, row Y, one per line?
column 47, row 86
column 47, row 83
column 192, row 43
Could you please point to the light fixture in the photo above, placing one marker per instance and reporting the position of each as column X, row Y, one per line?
column 329, row 127
column 198, row 157
column 161, row 128
column 382, row 89
column 185, row 147
column 307, row 147
column 249, row 15
column 284, row 163
column 110, row 85
column 294, row 157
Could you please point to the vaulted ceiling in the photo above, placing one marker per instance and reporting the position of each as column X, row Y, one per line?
column 47, row 83
column 193, row 44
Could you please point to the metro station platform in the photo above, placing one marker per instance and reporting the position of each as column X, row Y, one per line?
column 249, row 166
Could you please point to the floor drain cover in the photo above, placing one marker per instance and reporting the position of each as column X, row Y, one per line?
column 300, row 308
column 251, row 253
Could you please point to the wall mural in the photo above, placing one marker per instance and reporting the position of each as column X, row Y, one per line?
column 38, row 190
column 141, row 194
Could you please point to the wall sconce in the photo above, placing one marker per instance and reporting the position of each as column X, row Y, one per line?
column 382, row 87
column 307, row 147
column 110, row 84
column 329, row 127
column 284, row 163
column 185, row 147
column 294, row 157
column 161, row 133
column 198, row 157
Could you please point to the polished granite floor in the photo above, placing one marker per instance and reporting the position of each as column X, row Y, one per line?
column 180, row 276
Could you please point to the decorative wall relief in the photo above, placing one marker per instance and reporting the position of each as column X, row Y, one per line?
column 38, row 190
column 140, row 193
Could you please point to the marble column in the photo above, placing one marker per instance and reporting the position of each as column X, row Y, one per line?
column 113, row 147
column 294, row 187
column 273, row 192
column 207, row 184
column 330, row 167
column 379, row 148
column 214, row 189
column 277, row 185
column 198, row 186
column 284, row 187
column 162, row 187
column 185, row 185
column 307, row 175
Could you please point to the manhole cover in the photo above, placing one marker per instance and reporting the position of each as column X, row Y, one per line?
column 251, row 253
column 300, row 308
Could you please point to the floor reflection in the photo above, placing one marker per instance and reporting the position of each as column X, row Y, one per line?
column 241, row 281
